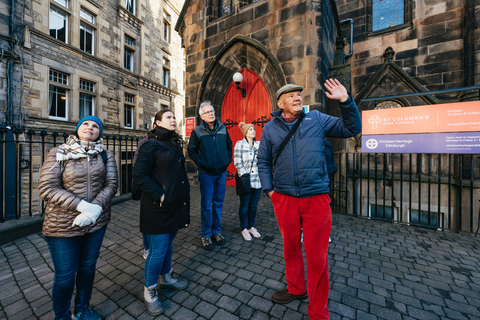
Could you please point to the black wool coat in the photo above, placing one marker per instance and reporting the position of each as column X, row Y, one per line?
column 160, row 170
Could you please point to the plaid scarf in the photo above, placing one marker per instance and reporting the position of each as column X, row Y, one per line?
column 290, row 120
column 75, row 148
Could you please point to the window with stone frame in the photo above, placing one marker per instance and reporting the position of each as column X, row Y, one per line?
column 166, row 73
column 87, row 31
column 129, row 107
column 58, row 24
column 130, row 6
column 385, row 15
column 87, row 98
column 166, row 27
column 246, row 2
column 129, row 53
column 58, row 95
column 224, row 7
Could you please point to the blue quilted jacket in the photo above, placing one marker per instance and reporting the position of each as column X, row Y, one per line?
column 301, row 169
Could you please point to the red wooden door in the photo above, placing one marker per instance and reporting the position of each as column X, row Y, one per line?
column 254, row 109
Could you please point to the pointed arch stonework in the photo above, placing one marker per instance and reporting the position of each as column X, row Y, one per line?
column 237, row 54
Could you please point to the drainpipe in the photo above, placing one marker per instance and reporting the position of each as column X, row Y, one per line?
column 351, row 35
column 10, row 66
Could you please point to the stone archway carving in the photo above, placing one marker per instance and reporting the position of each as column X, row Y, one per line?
column 237, row 54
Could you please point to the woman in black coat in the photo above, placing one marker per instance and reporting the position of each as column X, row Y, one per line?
column 160, row 174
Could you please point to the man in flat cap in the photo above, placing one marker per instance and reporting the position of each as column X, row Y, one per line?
column 295, row 177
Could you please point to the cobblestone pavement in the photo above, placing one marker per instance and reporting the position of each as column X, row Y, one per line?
column 377, row 271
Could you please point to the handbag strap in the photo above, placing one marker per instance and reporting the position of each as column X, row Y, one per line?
column 288, row 137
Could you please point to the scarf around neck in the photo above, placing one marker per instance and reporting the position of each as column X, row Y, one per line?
column 75, row 148
column 290, row 120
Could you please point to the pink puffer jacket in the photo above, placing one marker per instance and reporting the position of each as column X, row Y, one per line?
column 64, row 186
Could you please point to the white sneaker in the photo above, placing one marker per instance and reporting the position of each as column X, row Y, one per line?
column 254, row 232
column 246, row 235
column 145, row 253
column 329, row 239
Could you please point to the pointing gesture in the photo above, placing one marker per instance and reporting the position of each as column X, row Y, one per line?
column 336, row 91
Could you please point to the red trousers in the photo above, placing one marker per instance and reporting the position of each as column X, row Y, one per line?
column 314, row 216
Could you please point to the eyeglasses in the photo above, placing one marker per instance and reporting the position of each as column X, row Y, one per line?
column 208, row 112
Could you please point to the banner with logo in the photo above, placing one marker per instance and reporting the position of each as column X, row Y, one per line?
column 444, row 128
column 189, row 126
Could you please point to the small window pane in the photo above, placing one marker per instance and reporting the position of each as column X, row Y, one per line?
column 87, row 16
column 86, row 105
column 130, row 41
column 128, row 59
column 166, row 78
column 130, row 6
column 86, row 38
column 87, row 85
column 129, row 98
column 381, row 212
column 422, row 218
column 128, row 116
column 225, row 7
column 63, row 3
column 57, row 102
column 59, row 77
column 387, row 14
column 58, row 24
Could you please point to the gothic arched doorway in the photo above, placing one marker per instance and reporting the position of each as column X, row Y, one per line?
column 255, row 108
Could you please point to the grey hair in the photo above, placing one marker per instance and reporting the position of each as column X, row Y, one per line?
column 203, row 104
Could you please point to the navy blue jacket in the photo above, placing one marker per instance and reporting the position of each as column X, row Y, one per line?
column 301, row 169
column 210, row 150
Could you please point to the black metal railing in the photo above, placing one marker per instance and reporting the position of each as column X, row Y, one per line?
column 440, row 191
column 22, row 155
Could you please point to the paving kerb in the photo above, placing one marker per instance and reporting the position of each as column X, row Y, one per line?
column 378, row 270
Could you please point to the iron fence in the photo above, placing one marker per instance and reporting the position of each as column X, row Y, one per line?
column 22, row 155
column 440, row 191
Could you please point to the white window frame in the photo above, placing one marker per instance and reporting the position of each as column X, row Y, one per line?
column 87, row 29
column 167, row 28
column 86, row 88
column 129, row 47
column 129, row 102
column 130, row 6
column 61, row 14
column 166, row 73
column 58, row 80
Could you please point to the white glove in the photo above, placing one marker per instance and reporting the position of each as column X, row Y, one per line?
column 81, row 220
column 88, row 210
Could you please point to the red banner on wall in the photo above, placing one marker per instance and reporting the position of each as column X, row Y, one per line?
column 189, row 126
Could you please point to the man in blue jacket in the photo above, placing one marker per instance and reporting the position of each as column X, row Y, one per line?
column 298, row 187
column 210, row 147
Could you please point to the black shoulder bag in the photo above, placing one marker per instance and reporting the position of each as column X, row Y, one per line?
column 242, row 182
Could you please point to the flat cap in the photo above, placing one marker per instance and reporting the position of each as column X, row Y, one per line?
column 288, row 88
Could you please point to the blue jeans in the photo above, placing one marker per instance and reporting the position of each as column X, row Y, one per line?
column 248, row 208
column 159, row 261
column 146, row 245
column 212, row 188
column 74, row 260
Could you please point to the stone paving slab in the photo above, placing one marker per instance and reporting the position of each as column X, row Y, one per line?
column 378, row 270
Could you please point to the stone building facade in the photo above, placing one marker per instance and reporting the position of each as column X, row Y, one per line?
column 60, row 60
column 119, row 60
column 280, row 41
column 377, row 49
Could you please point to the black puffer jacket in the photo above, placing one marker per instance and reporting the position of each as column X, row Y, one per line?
column 160, row 170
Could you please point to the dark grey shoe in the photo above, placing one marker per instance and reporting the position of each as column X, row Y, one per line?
column 219, row 239
column 207, row 243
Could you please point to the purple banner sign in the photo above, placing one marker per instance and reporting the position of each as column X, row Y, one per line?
column 454, row 142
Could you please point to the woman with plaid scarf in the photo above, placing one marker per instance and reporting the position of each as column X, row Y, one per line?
column 78, row 181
